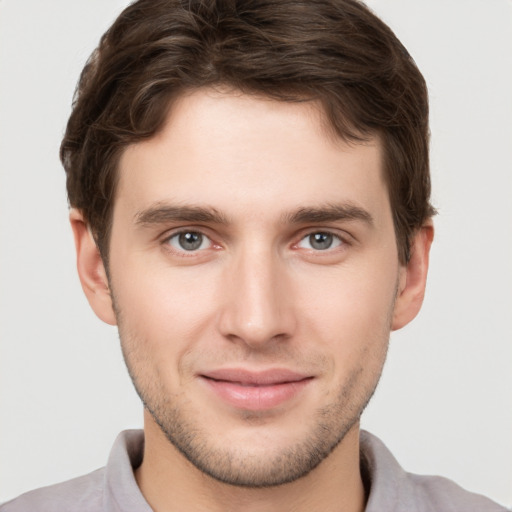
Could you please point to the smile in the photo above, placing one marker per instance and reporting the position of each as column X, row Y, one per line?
column 255, row 391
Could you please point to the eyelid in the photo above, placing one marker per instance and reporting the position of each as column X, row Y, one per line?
column 336, row 242
column 344, row 237
column 171, row 233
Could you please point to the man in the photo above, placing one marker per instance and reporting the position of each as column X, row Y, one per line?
column 250, row 202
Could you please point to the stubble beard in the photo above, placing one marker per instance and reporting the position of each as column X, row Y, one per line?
column 235, row 466
column 272, row 469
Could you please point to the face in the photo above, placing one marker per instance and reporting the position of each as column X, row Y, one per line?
column 254, row 271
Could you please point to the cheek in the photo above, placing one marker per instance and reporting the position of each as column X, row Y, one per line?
column 350, row 311
column 163, row 310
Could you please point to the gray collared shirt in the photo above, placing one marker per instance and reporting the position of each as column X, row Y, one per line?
column 114, row 489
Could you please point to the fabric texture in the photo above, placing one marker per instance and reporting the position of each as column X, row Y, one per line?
column 114, row 489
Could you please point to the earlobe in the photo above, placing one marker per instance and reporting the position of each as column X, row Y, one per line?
column 91, row 270
column 413, row 278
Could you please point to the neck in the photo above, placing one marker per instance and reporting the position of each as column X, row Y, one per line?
column 170, row 483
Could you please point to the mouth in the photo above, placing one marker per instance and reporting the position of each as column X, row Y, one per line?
column 255, row 391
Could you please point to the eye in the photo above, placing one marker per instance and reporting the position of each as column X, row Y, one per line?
column 189, row 241
column 320, row 241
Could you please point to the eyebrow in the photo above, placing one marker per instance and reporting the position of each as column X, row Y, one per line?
column 329, row 213
column 162, row 213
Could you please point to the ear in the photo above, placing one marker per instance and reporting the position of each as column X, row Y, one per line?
column 413, row 278
column 91, row 269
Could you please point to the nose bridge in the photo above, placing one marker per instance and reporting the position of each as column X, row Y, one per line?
column 257, row 308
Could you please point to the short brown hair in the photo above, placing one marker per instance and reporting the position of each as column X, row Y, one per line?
column 336, row 52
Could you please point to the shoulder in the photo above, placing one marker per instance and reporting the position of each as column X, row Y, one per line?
column 110, row 488
column 84, row 494
column 392, row 488
column 438, row 493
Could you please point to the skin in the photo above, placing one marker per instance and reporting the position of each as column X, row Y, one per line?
column 257, row 294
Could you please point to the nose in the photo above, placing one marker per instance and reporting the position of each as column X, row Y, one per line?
column 257, row 300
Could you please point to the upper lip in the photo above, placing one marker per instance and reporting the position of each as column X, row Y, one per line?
column 255, row 378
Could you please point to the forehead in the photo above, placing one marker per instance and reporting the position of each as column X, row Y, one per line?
column 228, row 149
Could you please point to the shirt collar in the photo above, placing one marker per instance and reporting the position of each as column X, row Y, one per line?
column 386, row 480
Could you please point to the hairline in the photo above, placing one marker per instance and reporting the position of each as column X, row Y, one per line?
column 353, row 138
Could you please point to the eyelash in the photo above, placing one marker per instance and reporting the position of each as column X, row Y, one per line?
column 342, row 241
column 183, row 252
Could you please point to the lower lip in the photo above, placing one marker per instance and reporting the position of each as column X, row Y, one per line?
column 256, row 398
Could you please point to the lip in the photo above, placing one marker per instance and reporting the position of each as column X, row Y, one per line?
column 255, row 391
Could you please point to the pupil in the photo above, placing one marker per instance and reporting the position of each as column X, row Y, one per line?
column 190, row 241
column 320, row 241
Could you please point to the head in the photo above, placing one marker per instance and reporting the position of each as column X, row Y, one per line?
column 334, row 52
column 255, row 179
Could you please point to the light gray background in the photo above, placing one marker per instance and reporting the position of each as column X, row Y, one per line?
column 444, row 405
